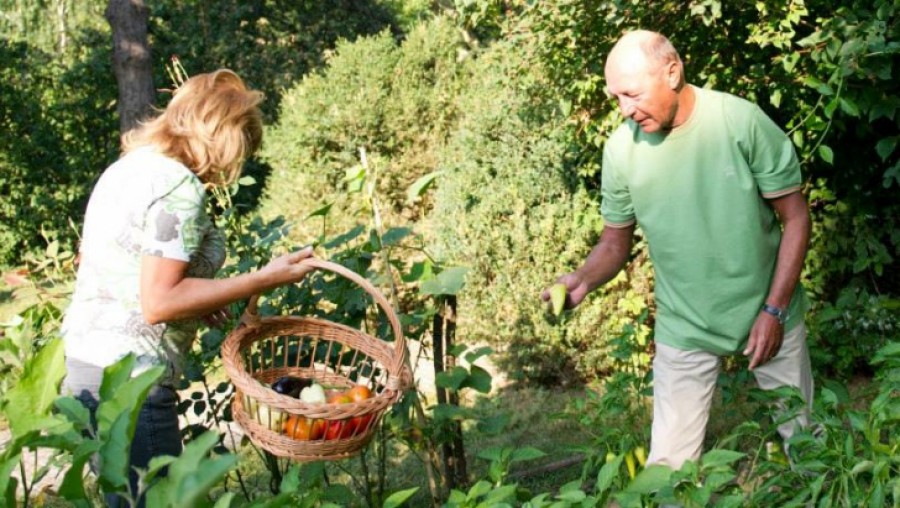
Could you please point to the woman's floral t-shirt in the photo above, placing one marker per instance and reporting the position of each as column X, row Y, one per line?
column 144, row 204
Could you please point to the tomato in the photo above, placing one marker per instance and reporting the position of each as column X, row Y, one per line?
column 339, row 398
column 340, row 429
column 358, row 393
column 362, row 422
column 303, row 429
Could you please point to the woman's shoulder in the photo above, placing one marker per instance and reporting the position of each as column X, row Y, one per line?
column 149, row 166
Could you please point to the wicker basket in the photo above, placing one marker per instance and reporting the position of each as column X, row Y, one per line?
column 261, row 350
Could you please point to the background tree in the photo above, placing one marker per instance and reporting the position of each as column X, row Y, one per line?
column 131, row 60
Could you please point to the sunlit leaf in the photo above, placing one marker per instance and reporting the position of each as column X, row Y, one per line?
column 448, row 282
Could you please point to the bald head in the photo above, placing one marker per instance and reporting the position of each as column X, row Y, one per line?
column 642, row 51
column 645, row 75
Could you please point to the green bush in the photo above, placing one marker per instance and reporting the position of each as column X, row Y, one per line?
column 393, row 100
column 58, row 133
column 510, row 207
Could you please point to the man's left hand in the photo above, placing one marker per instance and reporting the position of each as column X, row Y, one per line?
column 765, row 340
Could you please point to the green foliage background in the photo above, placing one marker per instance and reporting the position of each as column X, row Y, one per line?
column 504, row 103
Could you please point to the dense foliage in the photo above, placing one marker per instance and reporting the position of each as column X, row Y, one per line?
column 402, row 141
column 57, row 105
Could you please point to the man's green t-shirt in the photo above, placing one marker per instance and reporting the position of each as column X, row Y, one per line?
column 699, row 194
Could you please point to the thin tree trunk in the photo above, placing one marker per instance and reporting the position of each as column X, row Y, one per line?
column 131, row 60
column 443, row 335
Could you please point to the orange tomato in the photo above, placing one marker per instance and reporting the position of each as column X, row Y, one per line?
column 359, row 392
column 302, row 428
column 339, row 398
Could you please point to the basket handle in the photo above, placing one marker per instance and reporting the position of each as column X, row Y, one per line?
column 251, row 313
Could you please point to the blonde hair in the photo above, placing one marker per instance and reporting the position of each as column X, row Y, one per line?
column 212, row 125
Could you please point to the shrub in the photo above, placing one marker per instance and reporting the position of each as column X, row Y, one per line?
column 394, row 100
column 510, row 207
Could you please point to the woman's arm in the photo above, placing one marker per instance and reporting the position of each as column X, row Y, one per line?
column 168, row 295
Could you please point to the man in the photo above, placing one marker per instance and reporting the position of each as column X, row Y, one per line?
column 712, row 181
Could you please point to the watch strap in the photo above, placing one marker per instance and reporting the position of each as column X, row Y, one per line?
column 779, row 313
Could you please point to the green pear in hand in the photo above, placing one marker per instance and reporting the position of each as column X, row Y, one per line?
column 557, row 298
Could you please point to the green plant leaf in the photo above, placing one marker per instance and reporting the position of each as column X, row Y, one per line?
column 473, row 356
column 421, row 185
column 398, row 498
column 321, row 212
column 453, row 379
column 114, row 451
column 72, row 486
column 608, row 473
column 478, row 379
column 849, row 107
column 493, row 453
column 886, row 146
column 526, row 453
column 651, row 479
column 826, row 154
column 394, row 236
column 448, row 282
column 28, row 403
column 192, row 474
column 479, row 489
column 74, row 410
column 499, row 495
column 225, row 500
column 9, row 460
column 818, row 85
column 493, row 425
column 716, row 458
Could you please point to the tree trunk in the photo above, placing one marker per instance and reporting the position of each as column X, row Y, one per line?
column 443, row 335
column 131, row 60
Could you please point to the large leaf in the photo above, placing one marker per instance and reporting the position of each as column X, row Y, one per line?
column 72, row 487
column 608, row 473
column 9, row 459
column 453, row 379
column 115, row 449
column 192, row 475
column 398, row 498
column 121, row 398
column 716, row 458
column 478, row 379
column 651, row 479
column 28, row 403
column 448, row 282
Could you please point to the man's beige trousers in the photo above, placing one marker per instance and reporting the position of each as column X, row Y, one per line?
column 683, row 386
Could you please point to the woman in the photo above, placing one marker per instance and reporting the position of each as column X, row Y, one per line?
column 149, row 251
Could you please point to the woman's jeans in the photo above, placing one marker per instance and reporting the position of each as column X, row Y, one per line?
column 156, row 432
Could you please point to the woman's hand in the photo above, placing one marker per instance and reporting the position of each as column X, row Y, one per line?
column 286, row 269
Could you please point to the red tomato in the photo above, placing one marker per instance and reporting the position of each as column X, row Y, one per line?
column 362, row 422
column 340, row 429
column 303, row 429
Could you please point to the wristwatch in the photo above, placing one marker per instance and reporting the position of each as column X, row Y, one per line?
column 779, row 314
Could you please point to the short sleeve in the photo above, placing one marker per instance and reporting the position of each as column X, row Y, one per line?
column 615, row 204
column 173, row 223
column 773, row 160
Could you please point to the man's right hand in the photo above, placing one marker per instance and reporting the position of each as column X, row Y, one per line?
column 576, row 289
